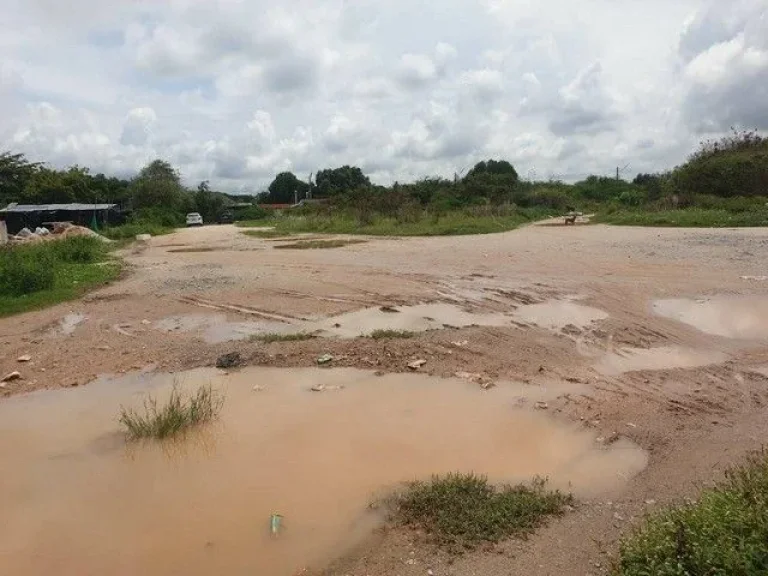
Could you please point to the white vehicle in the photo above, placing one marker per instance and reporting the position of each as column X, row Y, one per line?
column 194, row 219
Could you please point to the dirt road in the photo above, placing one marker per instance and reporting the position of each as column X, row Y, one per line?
column 662, row 335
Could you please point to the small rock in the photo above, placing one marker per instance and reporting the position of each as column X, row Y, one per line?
column 104, row 348
column 430, row 573
column 25, row 358
column 258, row 388
column 416, row 364
column 650, row 502
column 410, row 562
column 146, row 322
column 631, row 425
column 325, row 359
column 231, row 360
column 389, row 310
column 318, row 388
column 75, row 384
column 460, row 343
column 11, row 377
column 541, row 406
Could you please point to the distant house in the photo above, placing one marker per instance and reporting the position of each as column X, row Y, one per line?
column 18, row 216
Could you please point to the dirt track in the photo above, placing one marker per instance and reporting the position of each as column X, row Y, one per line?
column 696, row 406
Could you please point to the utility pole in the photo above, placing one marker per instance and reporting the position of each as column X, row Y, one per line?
column 617, row 173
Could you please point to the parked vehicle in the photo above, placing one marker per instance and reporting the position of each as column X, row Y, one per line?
column 227, row 217
column 194, row 219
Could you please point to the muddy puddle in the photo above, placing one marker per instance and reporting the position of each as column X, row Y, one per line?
column 216, row 328
column 69, row 323
column 76, row 500
column 744, row 317
column 557, row 314
column 661, row 358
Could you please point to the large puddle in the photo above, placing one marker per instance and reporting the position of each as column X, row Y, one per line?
column 75, row 500
column 744, row 317
column 553, row 315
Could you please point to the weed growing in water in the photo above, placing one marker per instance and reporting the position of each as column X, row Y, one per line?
column 273, row 337
column 461, row 511
column 178, row 414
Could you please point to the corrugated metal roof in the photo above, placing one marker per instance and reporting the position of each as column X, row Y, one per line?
column 16, row 208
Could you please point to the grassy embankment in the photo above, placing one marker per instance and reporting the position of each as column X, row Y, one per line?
column 34, row 276
column 453, row 223
column 724, row 533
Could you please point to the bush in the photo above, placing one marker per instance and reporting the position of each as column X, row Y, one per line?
column 27, row 269
column 724, row 533
column 251, row 213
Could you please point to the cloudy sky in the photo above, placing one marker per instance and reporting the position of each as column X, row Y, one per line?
column 235, row 91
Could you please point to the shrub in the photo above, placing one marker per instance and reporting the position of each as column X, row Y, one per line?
column 79, row 249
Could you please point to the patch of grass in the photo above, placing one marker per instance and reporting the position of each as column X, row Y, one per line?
column 130, row 231
column 33, row 276
column 272, row 337
column 688, row 217
column 318, row 244
column 724, row 533
column 271, row 233
column 391, row 334
column 177, row 415
column 462, row 511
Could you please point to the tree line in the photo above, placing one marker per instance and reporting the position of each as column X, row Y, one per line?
column 733, row 166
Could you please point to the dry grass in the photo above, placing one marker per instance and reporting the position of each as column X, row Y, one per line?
column 273, row 337
column 318, row 244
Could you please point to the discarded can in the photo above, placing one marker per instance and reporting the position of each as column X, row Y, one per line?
column 275, row 523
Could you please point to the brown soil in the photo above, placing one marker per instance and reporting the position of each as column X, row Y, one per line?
column 694, row 421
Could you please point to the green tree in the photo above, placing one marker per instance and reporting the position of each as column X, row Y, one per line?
column 494, row 168
column 15, row 173
column 340, row 181
column 284, row 187
column 209, row 204
column 158, row 185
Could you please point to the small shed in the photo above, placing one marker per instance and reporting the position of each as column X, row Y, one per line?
column 18, row 216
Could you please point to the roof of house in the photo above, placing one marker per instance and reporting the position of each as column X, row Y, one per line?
column 20, row 208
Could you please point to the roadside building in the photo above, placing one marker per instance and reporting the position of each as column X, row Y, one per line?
column 32, row 216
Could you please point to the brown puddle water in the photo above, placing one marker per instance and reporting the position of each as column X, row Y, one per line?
column 75, row 500
column 743, row 317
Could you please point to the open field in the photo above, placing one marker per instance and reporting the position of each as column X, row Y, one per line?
column 629, row 365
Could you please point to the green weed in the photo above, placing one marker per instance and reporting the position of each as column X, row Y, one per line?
column 272, row 337
column 178, row 414
column 391, row 334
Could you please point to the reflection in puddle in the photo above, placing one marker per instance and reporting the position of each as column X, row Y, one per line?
column 74, row 502
column 215, row 328
column 733, row 317
column 663, row 358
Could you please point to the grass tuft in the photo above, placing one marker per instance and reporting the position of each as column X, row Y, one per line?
column 318, row 244
column 687, row 218
column 178, row 414
column 269, row 233
column 725, row 532
column 462, row 511
column 274, row 337
column 391, row 334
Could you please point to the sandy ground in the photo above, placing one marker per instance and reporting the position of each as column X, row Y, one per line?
column 695, row 400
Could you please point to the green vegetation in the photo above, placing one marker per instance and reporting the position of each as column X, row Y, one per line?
column 318, row 244
column 274, row 337
column 462, row 511
column 33, row 276
column 688, row 217
column 270, row 233
column 724, row 533
column 177, row 415
column 391, row 334
column 420, row 222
